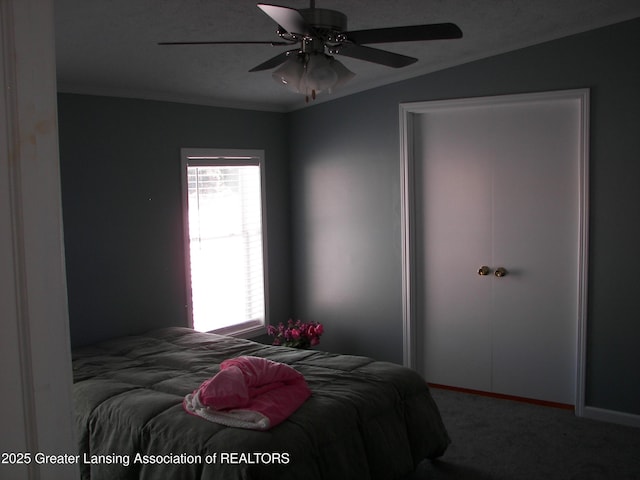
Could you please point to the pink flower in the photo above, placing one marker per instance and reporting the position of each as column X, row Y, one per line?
column 296, row 333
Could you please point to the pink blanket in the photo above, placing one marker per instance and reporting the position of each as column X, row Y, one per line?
column 249, row 392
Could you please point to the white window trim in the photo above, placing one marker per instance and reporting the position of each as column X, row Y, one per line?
column 204, row 156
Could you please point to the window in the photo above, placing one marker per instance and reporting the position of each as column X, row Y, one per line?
column 224, row 239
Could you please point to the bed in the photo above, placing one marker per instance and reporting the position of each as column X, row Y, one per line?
column 365, row 419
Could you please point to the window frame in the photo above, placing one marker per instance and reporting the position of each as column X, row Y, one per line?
column 210, row 156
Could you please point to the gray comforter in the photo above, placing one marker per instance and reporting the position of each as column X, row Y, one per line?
column 365, row 419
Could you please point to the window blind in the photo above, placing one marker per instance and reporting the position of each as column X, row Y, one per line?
column 225, row 241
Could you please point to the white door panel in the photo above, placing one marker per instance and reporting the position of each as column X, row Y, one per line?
column 497, row 184
column 455, row 243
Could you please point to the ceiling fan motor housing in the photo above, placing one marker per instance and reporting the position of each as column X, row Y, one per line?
column 322, row 19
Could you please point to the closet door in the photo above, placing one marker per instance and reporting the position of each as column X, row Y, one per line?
column 454, row 216
column 497, row 185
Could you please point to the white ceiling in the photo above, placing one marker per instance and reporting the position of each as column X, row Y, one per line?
column 109, row 47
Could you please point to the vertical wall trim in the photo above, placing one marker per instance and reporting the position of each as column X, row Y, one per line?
column 407, row 165
column 16, row 318
column 583, row 253
column 407, row 208
column 35, row 352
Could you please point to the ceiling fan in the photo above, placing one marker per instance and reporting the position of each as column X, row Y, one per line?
column 319, row 34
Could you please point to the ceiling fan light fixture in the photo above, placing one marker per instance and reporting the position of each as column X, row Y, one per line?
column 310, row 74
column 290, row 73
column 343, row 73
column 319, row 74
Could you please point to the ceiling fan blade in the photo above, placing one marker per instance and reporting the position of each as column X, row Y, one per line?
column 229, row 42
column 375, row 55
column 288, row 18
column 435, row 31
column 274, row 61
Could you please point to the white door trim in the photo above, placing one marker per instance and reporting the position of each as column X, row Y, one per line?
column 37, row 409
column 408, row 207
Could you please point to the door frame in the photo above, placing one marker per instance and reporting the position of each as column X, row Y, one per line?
column 408, row 208
column 37, row 413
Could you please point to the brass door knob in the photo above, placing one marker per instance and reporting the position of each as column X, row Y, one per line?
column 500, row 272
column 484, row 270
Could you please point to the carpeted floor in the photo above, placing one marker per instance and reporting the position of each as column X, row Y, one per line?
column 508, row 440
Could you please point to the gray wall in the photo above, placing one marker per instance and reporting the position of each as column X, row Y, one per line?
column 346, row 192
column 120, row 168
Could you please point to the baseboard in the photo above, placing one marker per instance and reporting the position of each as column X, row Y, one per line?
column 612, row 416
column 515, row 398
column 593, row 413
